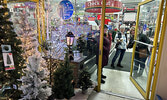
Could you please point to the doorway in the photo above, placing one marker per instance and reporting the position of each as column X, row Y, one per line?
column 117, row 82
column 151, row 28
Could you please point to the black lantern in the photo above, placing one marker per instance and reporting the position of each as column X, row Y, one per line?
column 70, row 39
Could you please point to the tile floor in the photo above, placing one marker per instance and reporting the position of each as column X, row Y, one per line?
column 117, row 87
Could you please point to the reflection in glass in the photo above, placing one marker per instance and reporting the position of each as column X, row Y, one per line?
column 145, row 36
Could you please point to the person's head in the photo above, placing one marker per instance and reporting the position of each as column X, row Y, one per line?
column 105, row 28
column 132, row 30
column 122, row 28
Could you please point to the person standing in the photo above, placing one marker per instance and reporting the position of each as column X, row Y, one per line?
column 131, row 40
column 106, row 49
column 120, row 40
column 141, row 54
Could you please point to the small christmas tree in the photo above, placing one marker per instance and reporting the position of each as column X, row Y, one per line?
column 81, row 44
column 84, row 80
column 34, row 86
column 9, row 37
column 63, row 81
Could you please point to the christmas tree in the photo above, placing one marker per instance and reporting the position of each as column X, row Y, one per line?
column 9, row 37
column 81, row 44
column 63, row 81
column 34, row 84
column 84, row 80
column 27, row 34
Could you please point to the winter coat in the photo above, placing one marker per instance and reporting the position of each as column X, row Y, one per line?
column 142, row 38
column 131, row 42
column 106, row 50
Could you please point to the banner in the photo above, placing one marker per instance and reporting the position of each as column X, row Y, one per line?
column 95, row 6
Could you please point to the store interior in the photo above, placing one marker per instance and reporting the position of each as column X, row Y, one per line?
column 51, row 47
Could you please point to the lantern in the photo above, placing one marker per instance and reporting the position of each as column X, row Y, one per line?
column 70, row 38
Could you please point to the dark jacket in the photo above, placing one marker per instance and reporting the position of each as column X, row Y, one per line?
column 131, row 42
column 142, row 38
column 106, row 50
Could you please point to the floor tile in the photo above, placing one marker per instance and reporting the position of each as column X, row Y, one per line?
column 115, row 98
column 98, row 96
column 117, row 82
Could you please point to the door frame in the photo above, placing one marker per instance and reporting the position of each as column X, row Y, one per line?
column 159, row 53
column 101, row 46
column 151, row 66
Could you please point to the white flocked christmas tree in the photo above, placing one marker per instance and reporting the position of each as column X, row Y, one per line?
column 27, row 33
column 34, row 85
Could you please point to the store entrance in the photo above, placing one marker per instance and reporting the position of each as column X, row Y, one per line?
column 134, row 79
column 117, row 82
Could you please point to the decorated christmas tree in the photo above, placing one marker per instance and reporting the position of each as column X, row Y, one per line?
column 27, row 34
column 63, row 81
column 34, row 84
column 8, row 78
column 84, row 81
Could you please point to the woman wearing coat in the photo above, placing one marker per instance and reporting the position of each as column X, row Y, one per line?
column 106, row 49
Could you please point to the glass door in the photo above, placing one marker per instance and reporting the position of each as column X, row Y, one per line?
column 146, row 39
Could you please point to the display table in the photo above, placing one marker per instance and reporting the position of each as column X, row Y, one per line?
column 77, row 63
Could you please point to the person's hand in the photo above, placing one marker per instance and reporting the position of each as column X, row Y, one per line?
column 118, row 40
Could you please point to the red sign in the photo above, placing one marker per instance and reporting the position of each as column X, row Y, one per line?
column 91, row 18
column 79, row 19
column 98, row 17
column 95, row 6
column 130, row 9
column 106, row 21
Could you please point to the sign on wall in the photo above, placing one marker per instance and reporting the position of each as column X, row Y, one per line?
column 95, row 6
column 65, row 9
column 129, row 17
